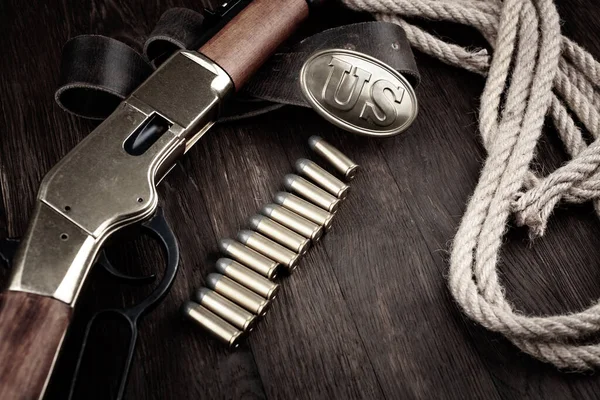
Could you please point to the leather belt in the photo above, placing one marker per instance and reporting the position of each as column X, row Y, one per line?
column 98, row 72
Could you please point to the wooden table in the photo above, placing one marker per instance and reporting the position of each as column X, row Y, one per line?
column 368, row 313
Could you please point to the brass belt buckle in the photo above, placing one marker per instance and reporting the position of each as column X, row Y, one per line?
column 358, row 93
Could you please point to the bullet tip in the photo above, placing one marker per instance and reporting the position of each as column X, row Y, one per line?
column 255, row 220
column 280, row 197
column 289, row 180
column 187, row 307
column 301, row 163
column 222, row 264
column 268, row 209
column 212, row 280
column 313, row 140
column 224, row 244
column 244, row 235
column 201, row 293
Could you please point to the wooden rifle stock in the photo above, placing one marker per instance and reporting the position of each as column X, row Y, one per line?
column 32, row 328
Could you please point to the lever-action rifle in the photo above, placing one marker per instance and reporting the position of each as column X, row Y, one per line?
column 108, row 181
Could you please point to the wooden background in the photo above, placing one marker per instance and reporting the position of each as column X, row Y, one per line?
column 368, row 313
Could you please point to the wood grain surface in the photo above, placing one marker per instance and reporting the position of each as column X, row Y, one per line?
column 367, row 315
column 248, row 40
column 32, row 328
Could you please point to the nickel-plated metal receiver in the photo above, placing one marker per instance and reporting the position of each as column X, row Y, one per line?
column 109, row 180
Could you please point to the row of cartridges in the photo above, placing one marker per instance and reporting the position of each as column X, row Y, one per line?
column 243, row 288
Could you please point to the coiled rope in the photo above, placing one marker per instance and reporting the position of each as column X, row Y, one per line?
column 534, row 71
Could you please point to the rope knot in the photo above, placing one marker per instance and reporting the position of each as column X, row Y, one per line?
column 531, row 217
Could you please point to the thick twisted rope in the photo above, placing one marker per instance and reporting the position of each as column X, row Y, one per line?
column 534, row 71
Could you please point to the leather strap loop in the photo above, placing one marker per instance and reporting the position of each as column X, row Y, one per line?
column 97, row 73
column 177, row 28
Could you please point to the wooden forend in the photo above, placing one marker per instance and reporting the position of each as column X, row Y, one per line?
column 252, row 36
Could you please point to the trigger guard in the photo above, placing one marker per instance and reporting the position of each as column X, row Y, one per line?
column 157, row 228
column 105, row 263
column 160, row 229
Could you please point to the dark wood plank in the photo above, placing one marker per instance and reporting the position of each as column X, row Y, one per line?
column 368, row 314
